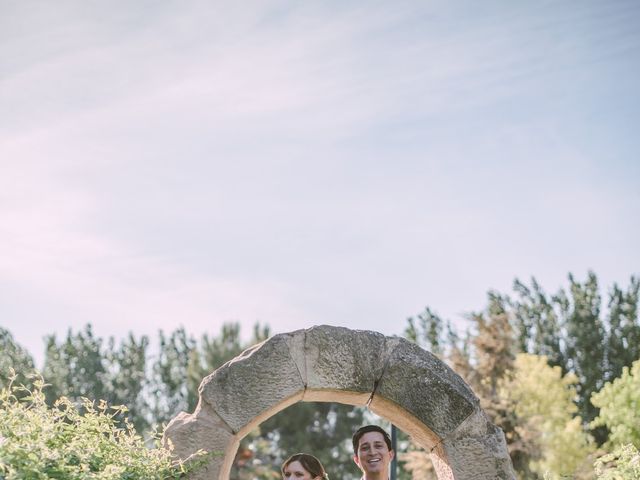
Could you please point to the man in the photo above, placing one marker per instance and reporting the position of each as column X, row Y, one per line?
column 372, row 452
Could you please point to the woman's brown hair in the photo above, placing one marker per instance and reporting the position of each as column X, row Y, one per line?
column 310, row 463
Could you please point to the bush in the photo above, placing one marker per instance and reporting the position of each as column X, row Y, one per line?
column 619, row 403
column 622, row 464
column 72, row 442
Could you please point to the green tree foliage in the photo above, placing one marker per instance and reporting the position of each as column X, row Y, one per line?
column 39, row 442
column 566, row 328
column 570, row 329
column 426, row 329
column 542, row 399
column 170, row 392
column 75, row 368
column 14, row 357
column 82, row 366
column 125, row 377
column 623, row 340
column 585, row 340
column 537, row 323
column 619, row 404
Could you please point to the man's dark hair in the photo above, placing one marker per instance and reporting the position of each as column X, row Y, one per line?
column 366, row 429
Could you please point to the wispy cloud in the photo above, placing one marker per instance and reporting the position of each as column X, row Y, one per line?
column 304, row 163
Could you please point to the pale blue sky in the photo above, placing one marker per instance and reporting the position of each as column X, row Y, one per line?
column 297, row 163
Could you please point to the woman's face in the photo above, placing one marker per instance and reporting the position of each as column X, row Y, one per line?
column 295, row 471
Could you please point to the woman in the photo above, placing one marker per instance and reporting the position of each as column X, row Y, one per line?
column 303, row 466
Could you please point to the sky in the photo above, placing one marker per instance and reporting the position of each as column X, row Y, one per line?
column 167, row 164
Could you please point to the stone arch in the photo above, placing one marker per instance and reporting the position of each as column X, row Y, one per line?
column 395, row 378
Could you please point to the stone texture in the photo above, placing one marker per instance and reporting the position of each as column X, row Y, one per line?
column 427, row 388
column 440, row 464
column 255, row 385
column 397, row 379
column 477, row 450
column 204, row 430
column 344, row 365
column 295, row 342
column 405, row 421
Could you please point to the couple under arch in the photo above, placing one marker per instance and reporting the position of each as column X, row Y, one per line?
column 372, row 452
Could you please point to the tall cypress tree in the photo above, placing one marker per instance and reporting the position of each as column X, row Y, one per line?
column 537, row 323
column 169, row 389
column 623, row 339
column 585, row 340
column 75, row 368
column 126, row 378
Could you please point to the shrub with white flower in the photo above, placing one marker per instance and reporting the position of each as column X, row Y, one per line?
column 73, row 442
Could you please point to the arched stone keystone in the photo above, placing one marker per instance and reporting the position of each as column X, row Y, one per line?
column 343, row 365
column 397, row 380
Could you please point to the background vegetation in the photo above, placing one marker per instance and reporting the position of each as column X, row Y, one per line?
column 555, row 371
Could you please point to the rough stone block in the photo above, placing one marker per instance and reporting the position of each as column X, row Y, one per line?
column 255, row 385
column 477, row 450
column 427, row 388
column 344, row 365
column 204, row 430
column 405, row 421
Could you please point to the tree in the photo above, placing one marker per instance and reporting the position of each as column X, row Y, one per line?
column 585, row 340
column 567, row 328
column 493, row 347
column 13, row 356
column 426, row 330
column 619, row 403
column 85, row 366
column 537, row 323
column 623, row 342
column 169, row 388
column 571, row 331
column 75, row 368
column 125, row 378
column 543, row 402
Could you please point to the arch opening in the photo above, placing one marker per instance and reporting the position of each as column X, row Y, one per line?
column 323, row 429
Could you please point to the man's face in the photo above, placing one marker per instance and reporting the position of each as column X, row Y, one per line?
column 373, row 456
